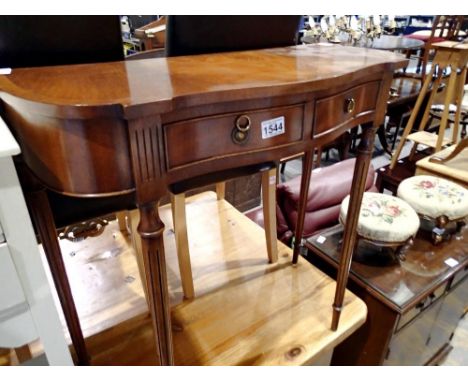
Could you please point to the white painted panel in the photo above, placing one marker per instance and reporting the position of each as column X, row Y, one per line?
column 18, row 330
column 11, row 292
column 16, row 323
column 24, row 253
column 8, row 145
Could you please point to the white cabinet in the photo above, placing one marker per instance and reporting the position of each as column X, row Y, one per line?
column 16, row 322
column 27, row 309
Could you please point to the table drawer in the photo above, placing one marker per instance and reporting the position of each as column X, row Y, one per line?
column 421, row 306
column 200, row 139
column 343, row 107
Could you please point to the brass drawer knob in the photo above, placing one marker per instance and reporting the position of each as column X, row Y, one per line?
column 243, row 123
column 350, row 105
column 240, row 133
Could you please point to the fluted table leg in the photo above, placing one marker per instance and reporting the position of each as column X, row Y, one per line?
column 349, row 236
column 43, row 219
column 305, row 181
column 151, row 230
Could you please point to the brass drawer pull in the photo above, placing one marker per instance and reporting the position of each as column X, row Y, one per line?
column 243, row 123
column 350, row 105
column 240, row 133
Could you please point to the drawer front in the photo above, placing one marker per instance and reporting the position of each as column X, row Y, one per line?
column 421, row 306
column 410, row 346
column 343, row 107
column 200, row 139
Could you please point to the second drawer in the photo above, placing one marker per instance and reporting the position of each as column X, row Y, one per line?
column 343, row 107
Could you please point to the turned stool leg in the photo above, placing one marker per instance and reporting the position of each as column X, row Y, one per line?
column 439, row 229
column 402, row 249
column 460, row 225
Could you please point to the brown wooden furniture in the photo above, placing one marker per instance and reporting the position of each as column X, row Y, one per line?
column 404, row 91
column 177, row 119
column 413, row 306
column 152, row 35
column 450, row 163
column 389, row 179
column 444, row 28
column 247, row 312
column 190, row 35
column 448, row 55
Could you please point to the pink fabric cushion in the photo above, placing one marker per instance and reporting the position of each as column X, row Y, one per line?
column 328, row 186
column 318, row 220
column 425, row 38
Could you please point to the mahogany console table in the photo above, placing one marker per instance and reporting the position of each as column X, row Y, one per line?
column 413, row 306
column 137, row 127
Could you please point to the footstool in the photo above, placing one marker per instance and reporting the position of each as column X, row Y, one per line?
column 385, row 221
column 438, row 200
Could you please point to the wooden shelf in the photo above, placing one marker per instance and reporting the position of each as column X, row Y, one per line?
column 427, row 139
column 455, row 170
column 246, row 311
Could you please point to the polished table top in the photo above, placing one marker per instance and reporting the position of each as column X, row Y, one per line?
column 170, row 83
column 399, row 283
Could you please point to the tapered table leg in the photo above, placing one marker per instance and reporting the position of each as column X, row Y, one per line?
column 151, row 230
column 349, row 237
column 43, row 219
column 305, row 181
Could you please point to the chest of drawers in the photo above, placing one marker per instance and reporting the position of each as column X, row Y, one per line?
column 413, row 306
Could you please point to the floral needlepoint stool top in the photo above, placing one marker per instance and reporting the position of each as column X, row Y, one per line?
column 384, row 218
column 435, row 197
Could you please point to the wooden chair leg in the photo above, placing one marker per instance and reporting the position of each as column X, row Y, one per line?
column 318, row 161
column 459, row 92
column 181, row 237
column 133, row 219
column 269, row 213
column 448, row 99
column 282, row 167
column 414, row 113
column 221, row 190
column 41, row 215
column 122, row 220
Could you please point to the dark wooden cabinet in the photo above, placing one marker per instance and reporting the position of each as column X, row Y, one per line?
column 413, row 306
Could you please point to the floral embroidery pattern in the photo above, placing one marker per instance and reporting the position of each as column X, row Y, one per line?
column 433, row 189
column 385, row 209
